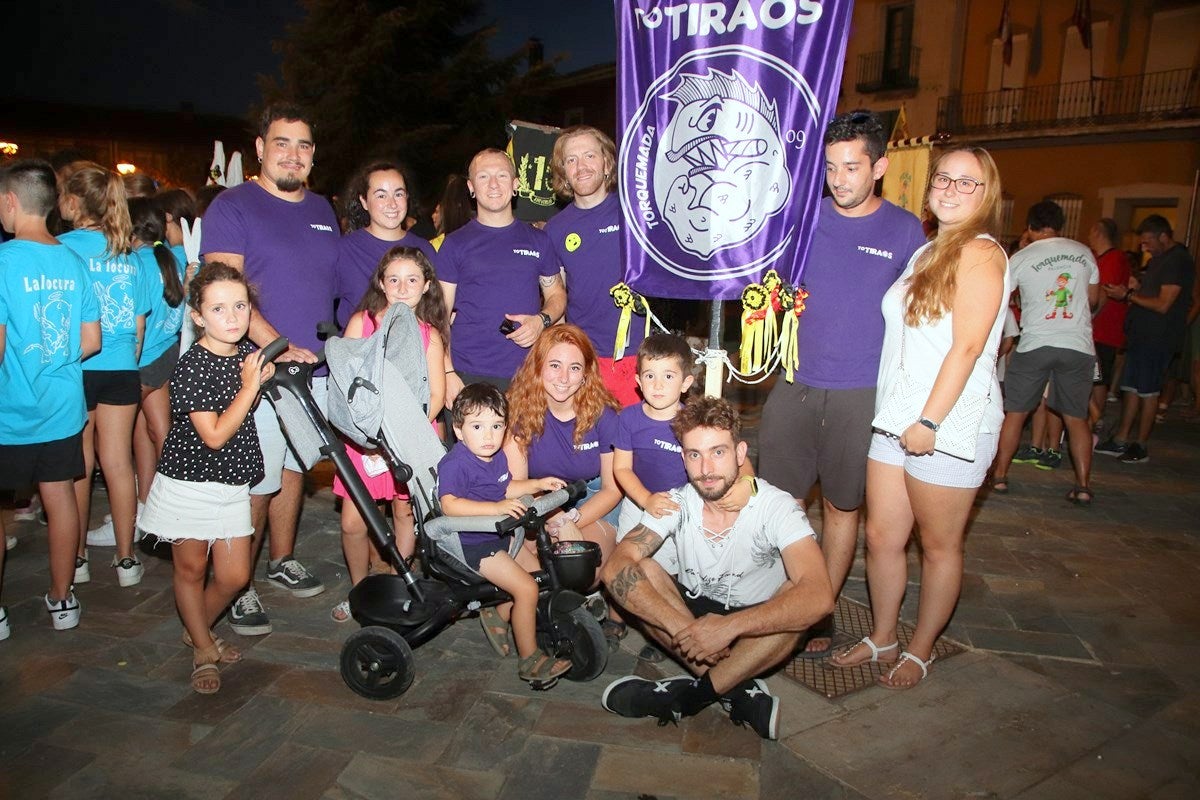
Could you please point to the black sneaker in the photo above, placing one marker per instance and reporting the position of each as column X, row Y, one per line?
column 1051, row 459
column 1111, row 447
column 1028, row 454
column 1134, row 454
column 635, row 697
column 248, row 617
column 753, row 704
column 290, row 574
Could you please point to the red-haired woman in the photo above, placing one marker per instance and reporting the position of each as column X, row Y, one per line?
column 561, row 424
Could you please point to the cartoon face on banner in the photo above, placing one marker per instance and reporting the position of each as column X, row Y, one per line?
column 711, row 159
column 720, row 166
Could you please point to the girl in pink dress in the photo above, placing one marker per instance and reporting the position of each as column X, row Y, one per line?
column 404, row 275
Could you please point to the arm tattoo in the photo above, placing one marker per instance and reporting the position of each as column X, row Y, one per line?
column 646, row 540
column 625, row 581
column 547, row 280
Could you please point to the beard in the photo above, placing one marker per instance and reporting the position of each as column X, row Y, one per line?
column 718, row 490
column 289, row 183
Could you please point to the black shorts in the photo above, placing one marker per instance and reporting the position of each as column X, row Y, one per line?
column 26, row 464
column 158, row 371
column 699, row 606
column 475, row 553
column 119, row 387
column 1106, row 358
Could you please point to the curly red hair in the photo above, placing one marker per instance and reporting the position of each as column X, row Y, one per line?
column 527, row 396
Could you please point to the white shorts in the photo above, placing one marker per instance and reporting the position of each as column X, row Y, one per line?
column 937, row 468
column 276, row 452
column 206, row 511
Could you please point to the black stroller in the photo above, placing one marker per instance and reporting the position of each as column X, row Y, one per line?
column 378, row 393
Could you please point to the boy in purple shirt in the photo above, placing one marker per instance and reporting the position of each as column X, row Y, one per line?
column 474, row 481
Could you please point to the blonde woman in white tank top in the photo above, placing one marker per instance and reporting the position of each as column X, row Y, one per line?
column 950, row 303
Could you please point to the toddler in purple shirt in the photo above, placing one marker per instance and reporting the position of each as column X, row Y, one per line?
column 473, row 480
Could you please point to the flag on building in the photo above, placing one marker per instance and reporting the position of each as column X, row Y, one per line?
column 721, row 114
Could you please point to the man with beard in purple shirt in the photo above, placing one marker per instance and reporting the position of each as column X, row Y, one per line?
column 819, row 427
column 285, row 239
column 587, row 242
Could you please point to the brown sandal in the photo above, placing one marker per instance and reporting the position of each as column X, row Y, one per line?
column 229, row 653
column 206, row 675
column 542, row 670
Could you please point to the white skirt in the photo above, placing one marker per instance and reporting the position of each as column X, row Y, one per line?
column 206, row 511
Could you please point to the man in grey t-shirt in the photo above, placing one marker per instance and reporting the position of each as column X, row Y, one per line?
column 1059, row 284
column 726, row 592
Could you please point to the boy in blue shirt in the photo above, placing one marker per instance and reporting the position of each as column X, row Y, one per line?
column 49, row 322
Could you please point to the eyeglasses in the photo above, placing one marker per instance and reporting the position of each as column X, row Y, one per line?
column 941, row 180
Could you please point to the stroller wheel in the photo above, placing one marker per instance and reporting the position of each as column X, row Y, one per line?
column 377, row 663
column 576, row 635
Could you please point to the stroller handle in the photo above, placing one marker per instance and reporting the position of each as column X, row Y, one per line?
column 275, row 349
column 542, row 506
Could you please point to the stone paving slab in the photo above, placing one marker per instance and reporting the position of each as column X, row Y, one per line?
column 1084, row 627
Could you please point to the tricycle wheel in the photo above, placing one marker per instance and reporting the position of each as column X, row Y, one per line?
column 577, row 635
column 377, row 663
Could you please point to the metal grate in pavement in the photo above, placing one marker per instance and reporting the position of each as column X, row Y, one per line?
column 853, row 623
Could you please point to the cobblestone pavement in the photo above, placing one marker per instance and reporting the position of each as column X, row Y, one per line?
column 1082, row 627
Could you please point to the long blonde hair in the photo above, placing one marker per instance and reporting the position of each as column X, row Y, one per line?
column 102, row 204
column 935, row 275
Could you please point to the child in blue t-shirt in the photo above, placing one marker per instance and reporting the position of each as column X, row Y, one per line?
column 49, row 322
column 474, row 480
column 93, row 200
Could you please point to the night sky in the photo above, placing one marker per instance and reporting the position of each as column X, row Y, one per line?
column 157, row 54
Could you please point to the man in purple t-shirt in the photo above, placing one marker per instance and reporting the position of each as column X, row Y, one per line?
column 586, row 237
column 819, row 427
column 285, row 239
column 491, row 270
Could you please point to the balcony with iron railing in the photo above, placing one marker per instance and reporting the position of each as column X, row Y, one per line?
column 888, row 70
column 1155, row 97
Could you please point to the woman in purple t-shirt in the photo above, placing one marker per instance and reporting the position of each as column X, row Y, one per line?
column 561, row 424
column 375, row 209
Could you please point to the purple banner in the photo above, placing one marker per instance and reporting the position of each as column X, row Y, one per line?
column 722, row 107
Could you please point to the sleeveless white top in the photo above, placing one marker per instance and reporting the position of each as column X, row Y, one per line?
column 926, row 346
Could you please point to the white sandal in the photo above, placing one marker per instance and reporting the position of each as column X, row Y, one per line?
column 876, row 652
column 885, row 680
column 341, row 612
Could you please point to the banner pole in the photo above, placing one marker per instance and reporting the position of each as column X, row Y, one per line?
column 714, row 356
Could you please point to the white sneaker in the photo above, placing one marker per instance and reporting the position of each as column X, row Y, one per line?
column 103, row 535
column 83, row 573
column 29, row 512
column 5, row 630
column 63, row 613
column 129, row 570
column 10, row 541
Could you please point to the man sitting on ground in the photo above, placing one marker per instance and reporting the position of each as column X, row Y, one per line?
column 728, row 593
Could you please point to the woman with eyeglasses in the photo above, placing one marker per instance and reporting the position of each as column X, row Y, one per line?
column 944, row 317
column 376, row 205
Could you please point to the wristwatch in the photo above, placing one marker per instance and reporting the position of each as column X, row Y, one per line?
column 546, row 321
column 928, row 423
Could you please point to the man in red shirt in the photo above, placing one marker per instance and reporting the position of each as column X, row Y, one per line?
column 1108, row 320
